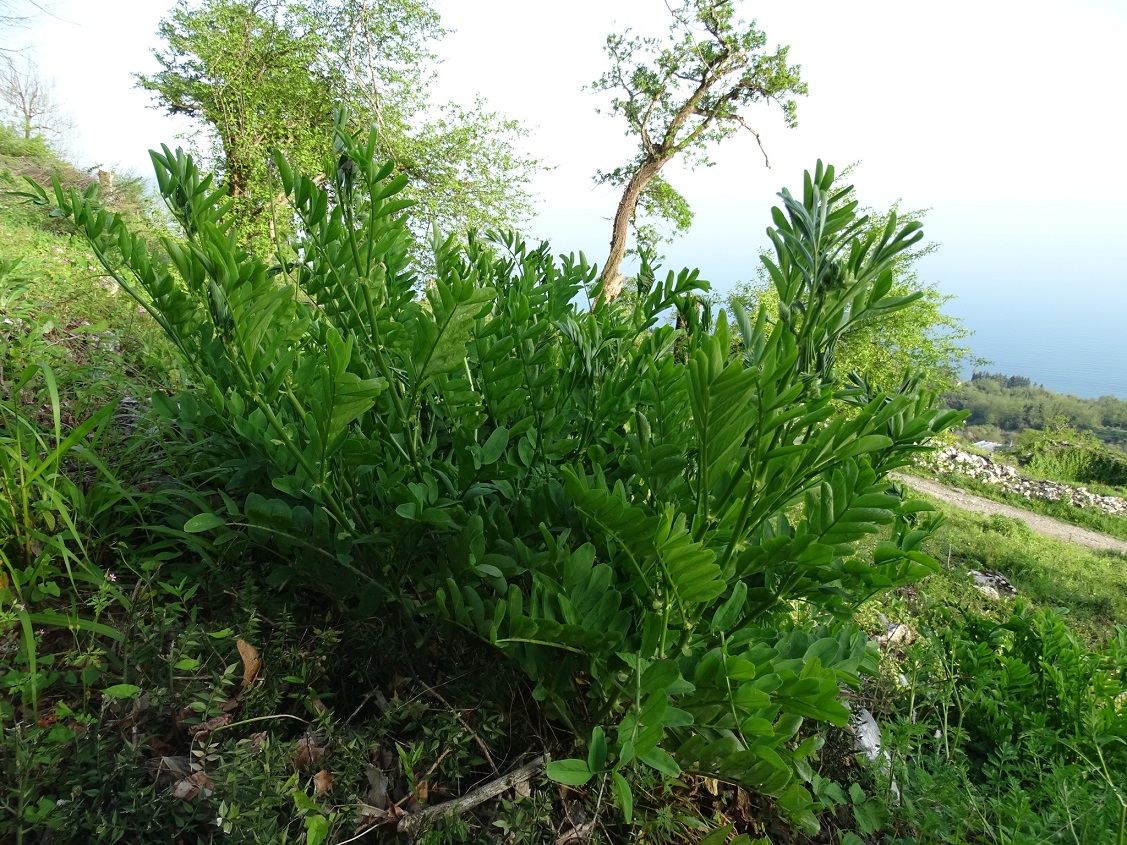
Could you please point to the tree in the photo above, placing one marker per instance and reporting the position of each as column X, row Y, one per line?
column 920, row 337
column 9, row 19
column 269, row 74
column 31, row 100
column 679, row 99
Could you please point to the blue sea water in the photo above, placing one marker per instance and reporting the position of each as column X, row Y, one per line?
column 1069, row 337
column 1085, row 363
column 1044, row 290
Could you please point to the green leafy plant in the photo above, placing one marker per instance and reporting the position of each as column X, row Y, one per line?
column 1061, row 452
column 1013, row 730
column 631, row 510
column 43, row 551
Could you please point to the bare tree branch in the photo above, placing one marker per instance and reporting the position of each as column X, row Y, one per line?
column 419, row 821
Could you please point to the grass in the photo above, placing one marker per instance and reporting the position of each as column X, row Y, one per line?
column 982, row 730
column 1090, row 586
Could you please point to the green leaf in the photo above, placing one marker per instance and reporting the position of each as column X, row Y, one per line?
column 625, row 796
column 76, row 623
column 569, row 772
column 121, row 691
column 317, row 829
column 304, row 803
column 856, row 793
column 718, row 836
column 494, row 447
column 730, row 611
column 597, row 750
column 658, row 759
column 203, row 522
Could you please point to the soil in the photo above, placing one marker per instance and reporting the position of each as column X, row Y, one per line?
column 1045, row 525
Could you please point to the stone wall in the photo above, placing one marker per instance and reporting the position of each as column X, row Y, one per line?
column 990, row 471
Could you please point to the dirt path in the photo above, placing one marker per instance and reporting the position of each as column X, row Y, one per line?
column 1041, row 524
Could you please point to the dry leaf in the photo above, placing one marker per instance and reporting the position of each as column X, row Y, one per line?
column 378, row 785
column 369, row 813
column 192, row 787
column 168, row 769
column 744, row 808
column 322, row 781
column 231, row 704
column 577, row 826
column 201, row 730
column 422, row 791
column 580, row 834
column 252, row 664
column 184, row 715
column 307, row 754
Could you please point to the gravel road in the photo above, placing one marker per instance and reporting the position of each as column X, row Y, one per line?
column 1041, row 524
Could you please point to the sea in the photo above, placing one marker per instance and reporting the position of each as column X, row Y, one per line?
column 1071, row 341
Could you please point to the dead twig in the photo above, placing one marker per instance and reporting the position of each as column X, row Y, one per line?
column 419, row 821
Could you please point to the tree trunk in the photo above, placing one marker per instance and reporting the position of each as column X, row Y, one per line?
column 611, row 278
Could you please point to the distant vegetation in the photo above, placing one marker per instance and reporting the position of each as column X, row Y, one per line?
column 1014, row 403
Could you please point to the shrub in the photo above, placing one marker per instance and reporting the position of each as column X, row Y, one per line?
column 630, row 510
column 1061, row 452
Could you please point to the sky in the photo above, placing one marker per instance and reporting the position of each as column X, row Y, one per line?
column 1004, row 118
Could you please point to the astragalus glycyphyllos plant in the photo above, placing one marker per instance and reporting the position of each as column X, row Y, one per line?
column 630, row 510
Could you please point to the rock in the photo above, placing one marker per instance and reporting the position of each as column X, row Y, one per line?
column 993, row 585
column 867, row 742
column 897, row 634
column 988, row 470
column 866, row 735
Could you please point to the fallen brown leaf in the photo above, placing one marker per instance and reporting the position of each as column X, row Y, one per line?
column 204, row 728
column 252, row 663
column 169, row 769
column 193, row 787
column 378, row 786
column 581, row 834
column 322, row 781
column 743, row 807
column 578, row 828
column 307, row 753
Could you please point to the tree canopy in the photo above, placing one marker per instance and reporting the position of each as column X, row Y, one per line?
column 261, row 75
column 679, row 97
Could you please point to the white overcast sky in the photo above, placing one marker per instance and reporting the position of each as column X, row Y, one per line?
column 1005, row 117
